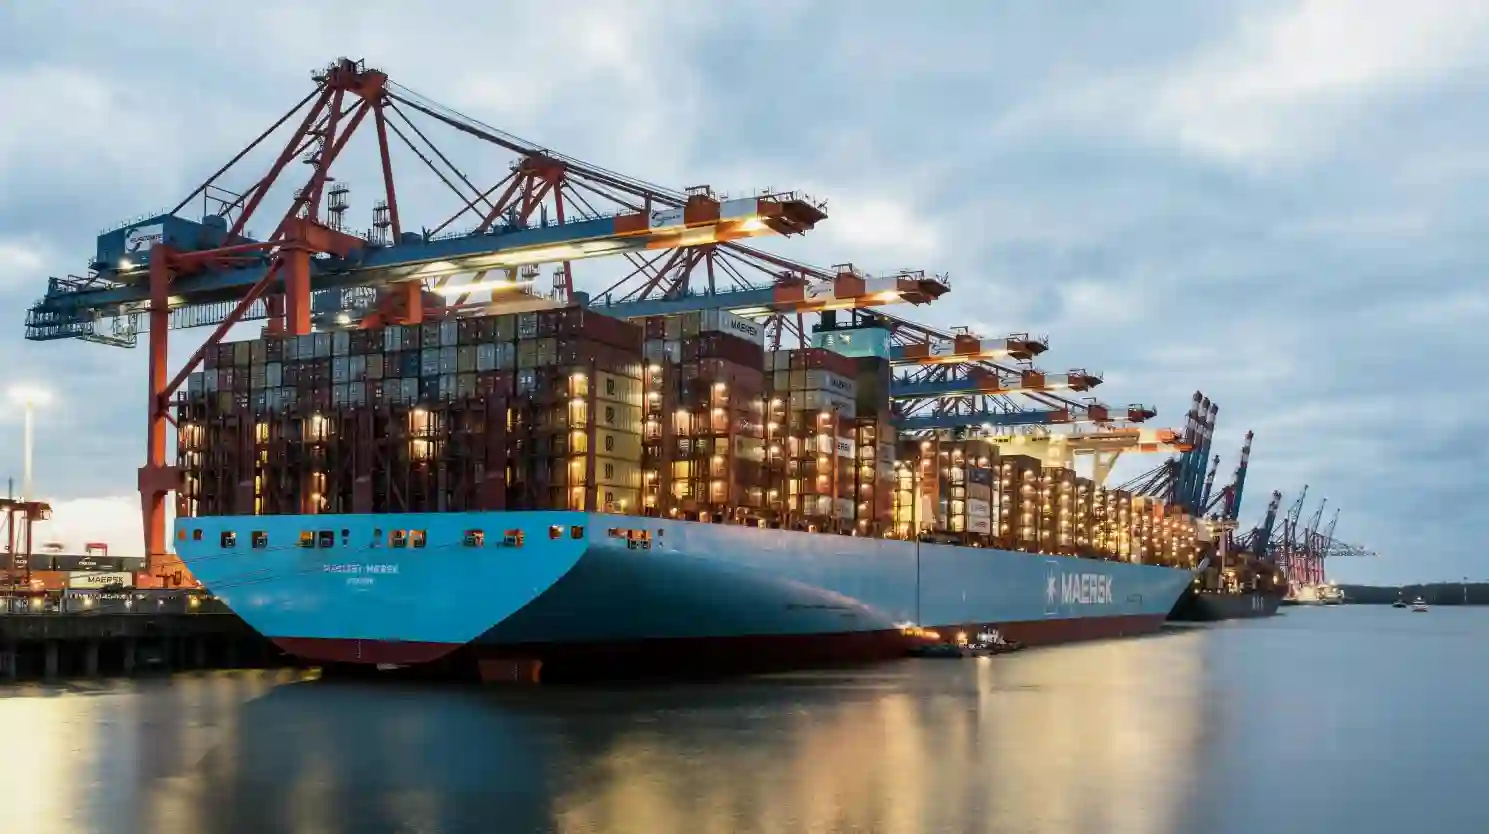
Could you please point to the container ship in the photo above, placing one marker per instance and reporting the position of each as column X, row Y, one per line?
column 401, row 473
column 566, row 488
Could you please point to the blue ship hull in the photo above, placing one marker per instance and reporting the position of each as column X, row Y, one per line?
column 341, row 588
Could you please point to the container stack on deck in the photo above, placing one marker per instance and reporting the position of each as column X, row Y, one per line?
column 683, row 416
column 704, row 436
column 812, row 416
column 489, row 413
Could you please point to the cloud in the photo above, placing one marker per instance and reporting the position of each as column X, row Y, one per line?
column 20, row 261
column 112, row 519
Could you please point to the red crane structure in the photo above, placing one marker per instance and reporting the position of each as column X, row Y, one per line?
column 687, row 251
column 176, row 272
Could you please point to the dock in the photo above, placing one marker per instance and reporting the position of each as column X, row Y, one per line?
column 101, row 633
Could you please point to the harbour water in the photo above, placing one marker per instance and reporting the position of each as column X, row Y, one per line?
column 1357, row 719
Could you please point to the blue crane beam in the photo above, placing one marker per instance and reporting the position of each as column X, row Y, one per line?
column 1028, row 382
column 1002, row 419
column 412, row 259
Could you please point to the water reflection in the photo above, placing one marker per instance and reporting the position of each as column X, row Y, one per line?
column 1090, row 738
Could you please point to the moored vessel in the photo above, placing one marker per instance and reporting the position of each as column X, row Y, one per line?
column 586, row 592
column 1212, row 606
column 1237, row 585
column 1302, row 595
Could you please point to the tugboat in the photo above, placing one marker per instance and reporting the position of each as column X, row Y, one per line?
column 1399, row 603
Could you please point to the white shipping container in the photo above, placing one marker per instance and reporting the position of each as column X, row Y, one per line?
column 449, row 333
column 340, row 369
column 392, row 338
column 979, row 524
column 823, row 401
column 429, row 362
column 449, row 357
column 845, row 447
column 95, row 579
column 723, row 321
column 820, row 380
column 979, row 508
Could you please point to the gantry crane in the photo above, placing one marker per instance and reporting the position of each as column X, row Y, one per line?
column 953, row 380
column 178, row 272
column 313, row 270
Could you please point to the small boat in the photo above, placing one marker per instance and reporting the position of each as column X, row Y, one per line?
column 988, row 643
column 1399, row 603
column 1419, row 606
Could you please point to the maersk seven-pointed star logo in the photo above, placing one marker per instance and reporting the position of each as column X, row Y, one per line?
column 1052, row 587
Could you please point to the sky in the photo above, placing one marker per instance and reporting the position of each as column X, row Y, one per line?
column 1277, row 203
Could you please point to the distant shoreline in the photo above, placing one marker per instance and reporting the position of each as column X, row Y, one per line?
column 1433, row 593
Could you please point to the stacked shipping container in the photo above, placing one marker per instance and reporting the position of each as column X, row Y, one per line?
column 416, row 418
column 704, row 433
column 679, row 416
column 813, row 449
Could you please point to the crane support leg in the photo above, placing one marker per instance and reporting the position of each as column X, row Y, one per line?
column 156, row 479
column 296, row 290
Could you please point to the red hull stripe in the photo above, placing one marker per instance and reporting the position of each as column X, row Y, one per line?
column 807, row 647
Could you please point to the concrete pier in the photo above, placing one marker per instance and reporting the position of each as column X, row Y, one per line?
column 52, row 645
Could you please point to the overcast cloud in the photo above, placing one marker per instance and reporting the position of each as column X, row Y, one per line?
column 1278, row 203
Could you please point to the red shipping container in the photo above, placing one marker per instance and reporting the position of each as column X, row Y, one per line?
column 725, row 346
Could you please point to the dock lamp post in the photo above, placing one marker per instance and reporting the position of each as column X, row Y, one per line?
column 28, row 397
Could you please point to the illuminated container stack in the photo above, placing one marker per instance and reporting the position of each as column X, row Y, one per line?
column 703, row 424
column 811, row 418
column 875, row 448
column 576, row 413
column 483, row 413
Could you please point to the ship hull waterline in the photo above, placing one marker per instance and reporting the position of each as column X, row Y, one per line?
column 1198, row 607
column 578, row 591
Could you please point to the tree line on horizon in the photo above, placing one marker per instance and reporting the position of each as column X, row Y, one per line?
column 1433, row 593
